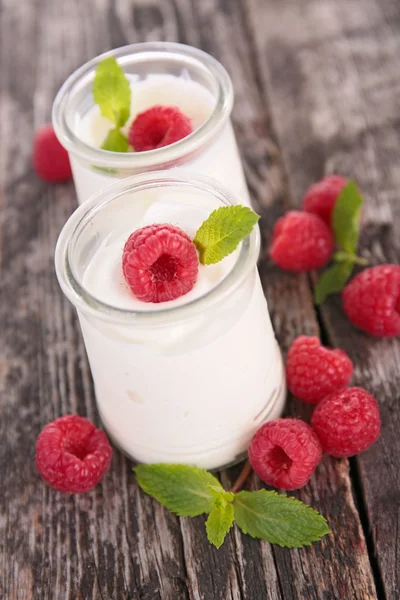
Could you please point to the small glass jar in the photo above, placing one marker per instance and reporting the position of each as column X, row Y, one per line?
column 210, row 150
column 188, row 383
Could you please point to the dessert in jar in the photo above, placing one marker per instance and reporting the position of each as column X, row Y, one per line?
column 186, row 378
column 159, row 74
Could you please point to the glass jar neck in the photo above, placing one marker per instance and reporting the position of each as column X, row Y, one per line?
column 76, row 95
column 111, row 199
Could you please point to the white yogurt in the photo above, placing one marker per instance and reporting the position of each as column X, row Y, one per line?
column 192, row 390
column 220, row 159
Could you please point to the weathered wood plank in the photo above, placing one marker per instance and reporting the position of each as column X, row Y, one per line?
column 115, row 542
column 330, row 72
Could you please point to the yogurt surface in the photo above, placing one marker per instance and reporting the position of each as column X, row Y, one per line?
column 192, row 98
column 104, row 277
column 219, row 159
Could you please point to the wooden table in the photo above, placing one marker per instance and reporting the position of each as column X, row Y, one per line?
column 317, row 91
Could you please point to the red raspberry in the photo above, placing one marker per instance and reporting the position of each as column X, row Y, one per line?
column 347, row 422
column 314, row 371
column 301, row 242
column 372, row 300
column 284, row 453
column 50, row 159
column 158, row 126
column 160, row 263
column 72, row 455
column 321, row 197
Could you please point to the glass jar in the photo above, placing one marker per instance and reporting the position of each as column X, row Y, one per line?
column 160, row 73
column 179, row 383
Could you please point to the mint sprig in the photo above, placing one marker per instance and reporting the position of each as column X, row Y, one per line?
column 222, row 232
column 190, row 491
column 346, row 227
column 112, row 93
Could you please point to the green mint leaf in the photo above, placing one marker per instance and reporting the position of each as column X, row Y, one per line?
column 333, row 280
column 218, row 523
column 115, row 141
column 346, row 218
column 279, row 519
column 221, row 233
column 184, row 490
column 341, row 256
column 111, row 91
column 220, row 496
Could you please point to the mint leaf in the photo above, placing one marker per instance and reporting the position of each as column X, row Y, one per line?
column 184, row 490
column 218, row 523
column 115, row 141
column 333, row 280
column 111, row 91
column 342, row 256
column 220, row 496
column 346, row 218
column 278, row 519
column 221, row 233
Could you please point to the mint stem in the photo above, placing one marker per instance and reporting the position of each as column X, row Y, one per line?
column 342, row 256
column 241, row 480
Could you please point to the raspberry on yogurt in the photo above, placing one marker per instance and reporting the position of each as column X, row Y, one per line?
column 160, row 263
column 158, row 126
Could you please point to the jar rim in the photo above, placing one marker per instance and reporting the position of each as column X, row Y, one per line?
column 83, row 300
column 146, row 160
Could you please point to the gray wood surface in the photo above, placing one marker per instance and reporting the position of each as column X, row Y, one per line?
column 317, row 90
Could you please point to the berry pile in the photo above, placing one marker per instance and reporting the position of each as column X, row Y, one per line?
column 285, row 452
column 303, row 240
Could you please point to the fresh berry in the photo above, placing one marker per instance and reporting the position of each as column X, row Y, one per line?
column 314, row 371
column 160, row 263
column 72, row 455
column 347, row 422
column 301, row 242
column 321, row 197
column 284, row 453
column 50, row 159
column 158, row 126
column 372, row 300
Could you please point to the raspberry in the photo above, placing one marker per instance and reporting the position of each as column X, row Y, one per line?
column 372, row 300
column 314, row 371
column 321, row 197
column 284, row 453
column 301, row 242
column 347, row 422
column 160, row 263
column 50, row 159
column 72, row 455
column 158, row 126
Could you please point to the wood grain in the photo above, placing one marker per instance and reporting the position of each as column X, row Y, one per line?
column 315, row 92
column 336, row 109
